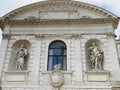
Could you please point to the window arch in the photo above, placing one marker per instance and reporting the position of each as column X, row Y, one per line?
column 57, row 55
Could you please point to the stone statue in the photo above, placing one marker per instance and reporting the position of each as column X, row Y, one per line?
column 56, row 77
column 20, row 58
column 96, row 57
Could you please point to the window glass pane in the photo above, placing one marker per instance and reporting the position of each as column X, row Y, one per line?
column 57, row 44
column 60, row 61
column 64, row 53
column 65, row 63
column 52, row 62
column 51, row 52
column 57, row 52
column 57, row 55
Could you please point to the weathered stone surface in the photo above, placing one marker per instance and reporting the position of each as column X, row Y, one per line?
column 76, row 24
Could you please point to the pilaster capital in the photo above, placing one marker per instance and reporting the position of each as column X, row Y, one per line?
column 110, row 34
column 39, row 36
column 77, row 36
column 7, row 36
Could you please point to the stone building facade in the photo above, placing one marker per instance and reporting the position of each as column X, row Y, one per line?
column 49, row 45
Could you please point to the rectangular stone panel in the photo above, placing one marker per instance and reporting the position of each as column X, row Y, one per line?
column 97, row 78
column 16, row 76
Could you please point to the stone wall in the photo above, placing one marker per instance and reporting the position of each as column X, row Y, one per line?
column 78, row 70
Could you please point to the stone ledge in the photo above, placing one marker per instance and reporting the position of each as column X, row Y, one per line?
column 64, row 72
column 97, row 72
column 114, row 21
column 16, row 72
column 65, row 86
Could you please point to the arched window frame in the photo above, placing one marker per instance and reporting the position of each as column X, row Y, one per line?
column 50, row 64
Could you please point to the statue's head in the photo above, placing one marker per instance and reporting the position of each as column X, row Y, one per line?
column 93, row 44
column 22, row 46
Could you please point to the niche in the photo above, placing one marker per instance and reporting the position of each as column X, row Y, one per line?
column 19, row 56
column 92, row 58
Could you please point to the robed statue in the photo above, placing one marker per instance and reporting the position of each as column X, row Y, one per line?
column 96, row 57
column 21, row 53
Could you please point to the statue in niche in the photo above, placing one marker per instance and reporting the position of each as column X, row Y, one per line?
column 56, row 77
column 21, row 53
column 96, row 57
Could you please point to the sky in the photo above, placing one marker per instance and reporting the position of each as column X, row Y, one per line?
column 112, row 6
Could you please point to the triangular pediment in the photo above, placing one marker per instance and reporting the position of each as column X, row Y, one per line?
column 58, row 9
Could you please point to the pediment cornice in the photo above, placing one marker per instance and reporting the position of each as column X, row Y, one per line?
column 113, row 21
column 58, row 2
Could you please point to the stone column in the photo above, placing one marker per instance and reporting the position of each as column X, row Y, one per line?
column 3, row 49
column 113, row 57
column 37, row 54
column 78, row 61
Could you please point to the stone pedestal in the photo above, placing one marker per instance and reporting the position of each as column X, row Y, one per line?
column 16, row 77
column 98, row 76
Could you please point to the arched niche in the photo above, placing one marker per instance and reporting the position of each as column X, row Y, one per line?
column 87, row 51
column 15, row 47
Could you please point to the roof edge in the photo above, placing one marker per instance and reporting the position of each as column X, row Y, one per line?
column 48, row 2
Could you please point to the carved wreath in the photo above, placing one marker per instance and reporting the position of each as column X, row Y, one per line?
column 56, row 78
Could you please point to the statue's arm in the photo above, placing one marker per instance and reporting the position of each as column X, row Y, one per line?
column 25, row 50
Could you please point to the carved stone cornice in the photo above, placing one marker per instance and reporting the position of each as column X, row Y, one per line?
column 114, row 21
column 110, row 34
column 65, row 36
column 39, row 36
column 77, row 36
column 2, row 24
column 58, row 2
column 7, row 36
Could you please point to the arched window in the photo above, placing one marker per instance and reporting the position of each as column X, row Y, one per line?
column 57, row 55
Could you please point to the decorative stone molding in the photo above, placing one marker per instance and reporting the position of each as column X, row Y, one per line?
column 87, row 17
column 64, row 72
column 56, row 78
column 16, row 76
column 66, row 36
column 39, row 36
column 66, row 87
column 116, row 87
column 59, row 2
column 2, row 25
column 110, row 34
column 77, row 36
column 98, row 76
column 30, row 18
column 64, row 22
column 7, row 36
